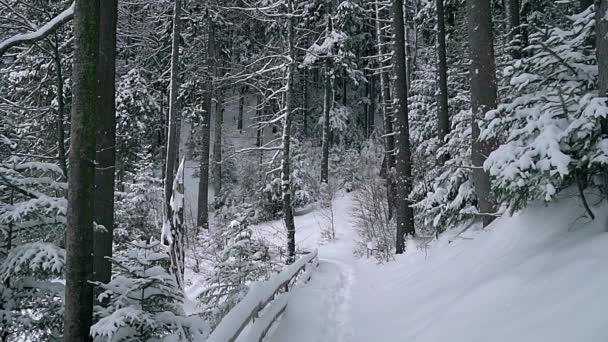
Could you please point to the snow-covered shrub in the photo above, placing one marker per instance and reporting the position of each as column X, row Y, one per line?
column 244, row 259
column 551, row 127
column 370, row 212
column 451, row 198
column 144, row 302
column 138, row 204
column 32, row 222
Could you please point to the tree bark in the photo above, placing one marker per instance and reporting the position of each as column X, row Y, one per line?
column 327, row 102
column 285, row 162
column 203, row 185
column 371, row 110
column 403, row 210
column 601, row 24
column 106, row 136
column 389, row 139
column 239, row 122
column 483, row 96
column 78, row 312
column 443, row 115
column 172, row 143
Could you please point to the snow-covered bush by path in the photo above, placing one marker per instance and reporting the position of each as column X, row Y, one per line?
column 244, row 259
column 551, row 127
column 143, row 301
column 370, row 212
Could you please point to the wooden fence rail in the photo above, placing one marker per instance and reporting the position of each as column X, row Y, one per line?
column 264, row 303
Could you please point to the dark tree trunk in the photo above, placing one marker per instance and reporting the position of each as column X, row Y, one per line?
column 203, row 185
column 601, row 43
column 403, row 210
column 106, row 136
column 305, row 101
column 239, row 122
column 371, row 109
column 327, row 102
column 514, row 28
column 483, row 96
column 285, row 162
column 172, row 143
column 217, row 145
column 601, row 24
column 443, row 116
column 78, row 312
column 385, row 86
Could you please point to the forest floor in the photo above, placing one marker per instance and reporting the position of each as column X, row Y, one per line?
column 537, row 276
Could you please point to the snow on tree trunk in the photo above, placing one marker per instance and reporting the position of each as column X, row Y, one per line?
column 172, row 234
column 403, row 210
column 78, row 313
column 483, row 97
column 172, row 142
column 285, row 162
column 106, row 137
column 203, row 188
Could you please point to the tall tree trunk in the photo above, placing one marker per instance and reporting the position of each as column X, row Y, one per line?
column 106, row 136
column 239, row 122
column 443, row 116
column 601, row 26
column 285, row 162
column 172, row 143
column 371, row 110
column 389, row 138
column 403, row 210
column 78, row 312
column 514, row 28
column 305, row 100
column 327, row 103
column 217, row 146
column 483, row 96
column 203, row 185
column 61, row 155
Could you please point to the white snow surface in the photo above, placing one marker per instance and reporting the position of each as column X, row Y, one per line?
column 537, row 276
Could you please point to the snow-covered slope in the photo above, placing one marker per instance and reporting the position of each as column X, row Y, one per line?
column 537, row 276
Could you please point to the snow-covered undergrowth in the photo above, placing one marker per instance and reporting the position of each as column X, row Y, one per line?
column 536, row 276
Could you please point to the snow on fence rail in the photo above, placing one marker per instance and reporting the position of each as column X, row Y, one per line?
column 271, row 295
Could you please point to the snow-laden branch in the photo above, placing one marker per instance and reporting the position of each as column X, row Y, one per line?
column 38, row 34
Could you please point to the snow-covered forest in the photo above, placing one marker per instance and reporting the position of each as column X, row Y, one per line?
column 303, row 170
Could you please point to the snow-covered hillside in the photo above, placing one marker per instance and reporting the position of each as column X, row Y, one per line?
column 537, row 276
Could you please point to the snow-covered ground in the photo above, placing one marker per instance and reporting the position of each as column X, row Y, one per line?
column 537, row 276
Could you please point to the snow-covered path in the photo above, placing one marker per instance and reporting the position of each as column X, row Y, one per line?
column 319, row 311
column 537, row 276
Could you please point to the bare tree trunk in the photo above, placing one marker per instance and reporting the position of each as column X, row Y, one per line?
column 371, row 110
column 327, row 103
column 443, row 115
column 403, row 210
column 483, row 96
column 172, row 143
column 385, row 86
column 203, row 185
column 305, row 109
column 285, row 162
column 239, row 122
column 78, row 312
column 217, row 147
column 106, row 136
column 601, row 24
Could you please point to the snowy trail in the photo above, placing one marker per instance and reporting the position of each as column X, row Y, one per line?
column 319, row 311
